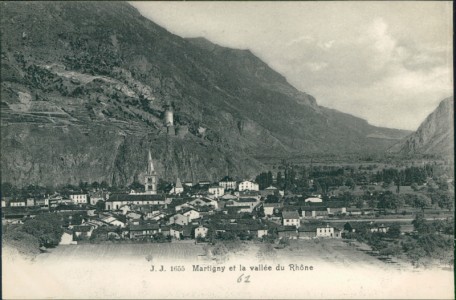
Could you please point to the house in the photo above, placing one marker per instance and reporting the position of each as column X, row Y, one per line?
column 176, row 231
column 187, row 232
column 113, row 222
column 313, row 200
column 30, row 202
column 328, row 231
column 247, row 204
column 248, row 185
column 94, row 197
column 269, row 191
column 177, row 188
column 269, row 208
column 115, row 201
column 82, row 231
column 191, row 214
column 133, row 215
column 228, row 183
column 216, row 190
column 248, row 194
column 314, row 211
column 3, row 203
column 379, row 228
column 143, row 230
column 42, row 202
column 200, row 202
column 201, row 231
column 290, row 218
column 336, row 211
column 307, row 232
column 79, row 198
column 165, row 230
column 17, row 203
column 179, row 219
column 287, row 232
column 353, row 211
column 261, row 232
column 125, row 209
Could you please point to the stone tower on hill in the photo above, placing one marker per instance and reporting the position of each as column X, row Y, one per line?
column 169, row 120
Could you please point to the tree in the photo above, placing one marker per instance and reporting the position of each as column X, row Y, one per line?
column 420, row 224
column 350, row 183
column 100, row 205
column 46, row 227
column 359, row 203
column 421, row 201
column 348, row 227
column 394, row 231
column 104, row 185
column 272, row 199
column 8, row 189
column 136, row 186
column 24, row 242
column 95, row 185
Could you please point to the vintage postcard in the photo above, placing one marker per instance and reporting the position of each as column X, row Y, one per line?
column 214, row 150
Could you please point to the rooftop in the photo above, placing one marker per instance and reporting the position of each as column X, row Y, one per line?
column 290, row 215
column 137, row 197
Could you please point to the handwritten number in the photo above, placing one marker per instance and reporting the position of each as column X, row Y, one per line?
column 246, row 280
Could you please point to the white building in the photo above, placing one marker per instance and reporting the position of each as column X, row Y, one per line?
column 79, row 198
column 177, row 188
column 291, row 218
column 30, row 202
column 269, row 208
column 191, row 214
column 217, row 191
column 248, row 185
column 328, row 231
column 228, row 183
column 314, row 200
column 17, row 203
column 201, row 232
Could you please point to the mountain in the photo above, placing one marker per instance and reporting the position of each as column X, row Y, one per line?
column 434, row 136
column 85, row 86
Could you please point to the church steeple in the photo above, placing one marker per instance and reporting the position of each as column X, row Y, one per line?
column 150, row 165
column 150, row 179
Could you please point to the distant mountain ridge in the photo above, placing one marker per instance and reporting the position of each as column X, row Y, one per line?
column 83, row 98
column 434, row 136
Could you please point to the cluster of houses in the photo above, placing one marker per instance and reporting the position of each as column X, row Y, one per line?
column 227, row 207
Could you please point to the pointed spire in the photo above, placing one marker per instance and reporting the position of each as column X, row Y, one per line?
column 178, row 183
column 150, row 164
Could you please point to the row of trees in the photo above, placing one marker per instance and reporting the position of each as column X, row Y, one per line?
column 432, row 240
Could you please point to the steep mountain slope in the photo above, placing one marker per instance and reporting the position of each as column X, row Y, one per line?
column 83, row 98
column 434, row 136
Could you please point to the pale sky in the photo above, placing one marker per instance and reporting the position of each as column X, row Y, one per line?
column 389, row 62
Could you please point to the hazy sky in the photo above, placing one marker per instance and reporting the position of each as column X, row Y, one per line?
column 388, row 62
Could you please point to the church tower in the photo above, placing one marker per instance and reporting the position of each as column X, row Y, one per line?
column 150, row 179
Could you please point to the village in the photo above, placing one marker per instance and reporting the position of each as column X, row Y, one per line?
column 204, row 212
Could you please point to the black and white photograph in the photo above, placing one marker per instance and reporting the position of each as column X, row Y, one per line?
column 227, row 149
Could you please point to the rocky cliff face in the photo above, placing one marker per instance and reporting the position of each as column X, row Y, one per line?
column 83, row 98
column 434, row 136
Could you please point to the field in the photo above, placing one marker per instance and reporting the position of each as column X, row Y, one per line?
column 339, row 270
column 167, row 251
